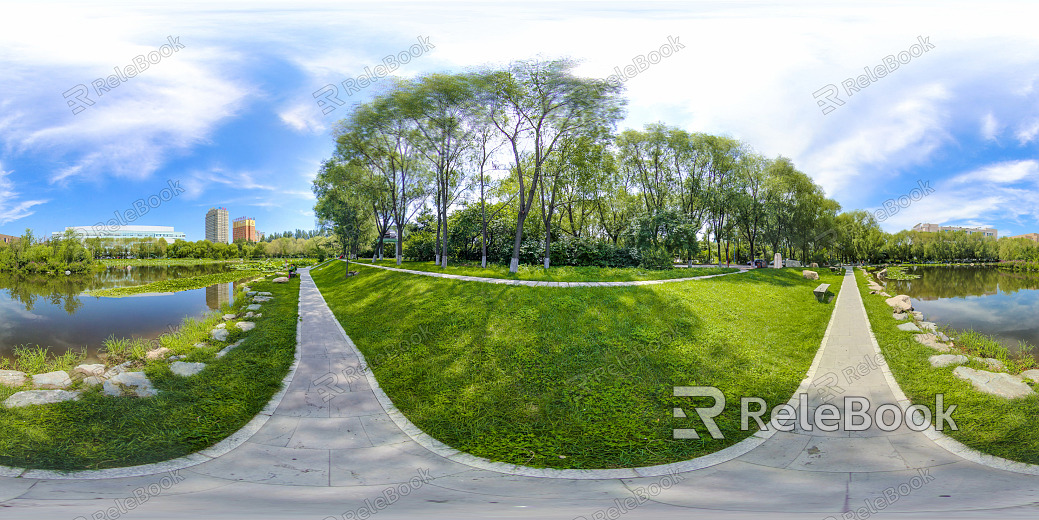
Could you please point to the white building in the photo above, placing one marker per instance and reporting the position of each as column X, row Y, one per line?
column 131, row 232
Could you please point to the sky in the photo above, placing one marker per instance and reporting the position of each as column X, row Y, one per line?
column 225, row 112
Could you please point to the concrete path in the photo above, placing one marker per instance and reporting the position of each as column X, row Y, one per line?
column 535, row 283
column 345, row 457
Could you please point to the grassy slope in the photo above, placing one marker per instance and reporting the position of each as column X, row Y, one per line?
column 531, row 375
column 188, row 415
column 558, row 274
column 1001, row 427
column 177, row 284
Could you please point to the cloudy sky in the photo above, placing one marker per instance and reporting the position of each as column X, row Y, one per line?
column 226, row 111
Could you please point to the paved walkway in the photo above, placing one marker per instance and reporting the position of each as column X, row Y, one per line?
column 536, row 283
column 319, row 459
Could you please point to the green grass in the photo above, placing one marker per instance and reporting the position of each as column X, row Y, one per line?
column 1001, row 427
column 188, row 415
column 579, row 377
column 558, row 274
column 898, row 273
column 144, row 262
column 177, row 284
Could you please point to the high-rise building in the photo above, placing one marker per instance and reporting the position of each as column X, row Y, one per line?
column 935, row 228
column 245, row 229
column 217, row 225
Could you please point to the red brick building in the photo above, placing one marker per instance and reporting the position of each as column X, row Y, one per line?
column 245, row 229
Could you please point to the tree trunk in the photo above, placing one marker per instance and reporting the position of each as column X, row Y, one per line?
column 514, row 264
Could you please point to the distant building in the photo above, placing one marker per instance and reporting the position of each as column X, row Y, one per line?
column 1034, row 237
column 245, row 229
column 217, row 225
column 935, row 228
column 8, row 239
column 131, row 232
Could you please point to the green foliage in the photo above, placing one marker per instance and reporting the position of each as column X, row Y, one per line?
column 560, row 273
column 657, row 258
column 179, row 284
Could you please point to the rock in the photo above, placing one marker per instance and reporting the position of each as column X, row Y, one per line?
column 186, row 369
column 97, row 370
column 219, row 334
column 884, row 294
column 264, row 293
column 250, row 293
column 58, row 380
column 136, row 380
column 159, row 353
column 280, row 279
column 228, row 348
column 176, row 358
column 944, row 360
column 814, row 264
column 261, row 299
column 118, row 369
column 900, row 316
column 229, row 317
column 941, row 336
column 200, row 345
column 810, row 275
column 111, row 389
column 900, row 303
column 993, row 363
column 221, row 325
column 929, row 340
column 882, row 272
column 1000, row 384
column 12, row 378
column 31, row 397
column 928, row 325
column 253, row 307
column 1032, row 374
column 246, row 326
column 92, row 381
column 909, row 327
column 919, row 316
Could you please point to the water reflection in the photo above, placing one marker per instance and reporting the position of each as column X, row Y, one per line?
column 52, row 311
column 998, row 303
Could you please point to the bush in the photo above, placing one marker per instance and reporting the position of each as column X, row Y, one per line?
column 658, row 258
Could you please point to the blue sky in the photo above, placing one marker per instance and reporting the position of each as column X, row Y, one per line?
column 232, row 118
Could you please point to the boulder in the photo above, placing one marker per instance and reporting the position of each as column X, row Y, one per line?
column 176, row 358
column 139, row 382
column 900, row 316
column 884, row 294
column 250, row 293
column 12, row 378
column 58, row 380
column 111, row 389
column 96, row 370
column 246, row 326
column 264, row 293
column 810, row 275
column 118, row 369
column 944, row 360
column 199, row 345
column 261, row 299
column 229, row 317
column 929, row 340
column 30, row 397
column 882, row 272
column 253, row 307
column 228, row 348
column 993, row 363
column 157, row 354
column 919, row 316
column 219, row 334
column 900, row 303
column 942, row 336
column 995, row 383
column 928, row 325
column 814, row 264
column 1032, row 374
column 92, row 381
column 221, row 325
column 280, row 279
column 186, row 369
column 909, row 327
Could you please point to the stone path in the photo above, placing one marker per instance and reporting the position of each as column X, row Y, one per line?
column 536, row 283
column 318, row 458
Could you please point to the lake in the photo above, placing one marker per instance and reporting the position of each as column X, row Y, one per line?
column 1002, row 304
column 53, row 312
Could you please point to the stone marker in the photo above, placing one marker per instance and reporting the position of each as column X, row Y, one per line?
column 900, row 303
column 995, row 383
column 30, row 397
column 12, row 378
column 777, row 261
column 186, row 369
column 811, row 275
column 58, row 380
column 944, row 360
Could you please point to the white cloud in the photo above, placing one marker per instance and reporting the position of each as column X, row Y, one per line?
column 11, row 208
column 989, row 127
column 1027, row 131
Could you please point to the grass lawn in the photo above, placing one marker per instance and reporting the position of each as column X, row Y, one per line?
column 579, row 377
column 188, row 415
column 558, row 274
column 1002, row 427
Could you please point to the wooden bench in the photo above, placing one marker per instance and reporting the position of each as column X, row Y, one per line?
column 820, row 291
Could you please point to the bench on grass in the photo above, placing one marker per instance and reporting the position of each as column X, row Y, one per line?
column 821, row 290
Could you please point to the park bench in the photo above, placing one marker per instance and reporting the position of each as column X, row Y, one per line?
column 820, row 291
